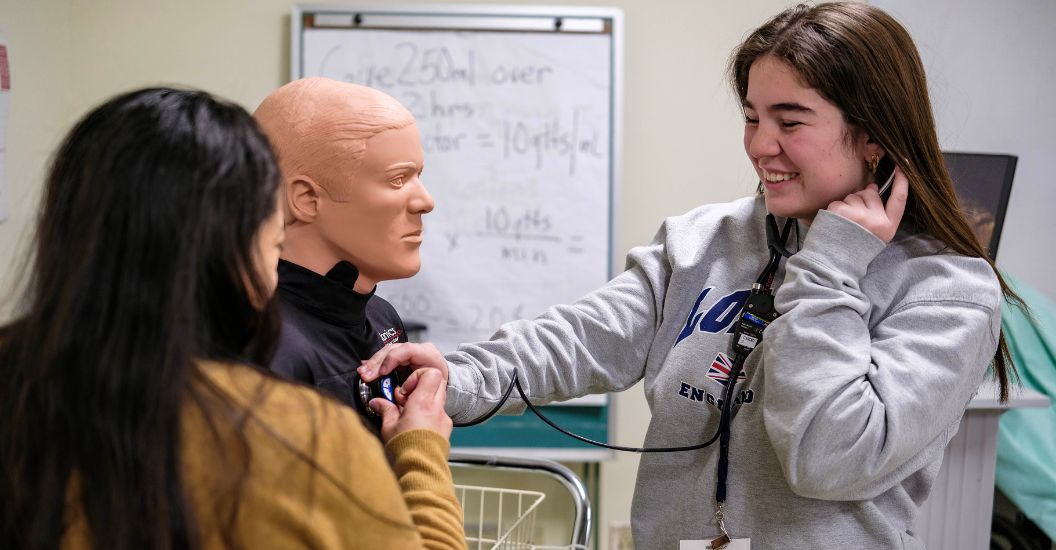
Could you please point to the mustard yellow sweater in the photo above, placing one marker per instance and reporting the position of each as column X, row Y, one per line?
column 316, row 478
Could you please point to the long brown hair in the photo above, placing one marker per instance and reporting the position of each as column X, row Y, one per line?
column 864, row 62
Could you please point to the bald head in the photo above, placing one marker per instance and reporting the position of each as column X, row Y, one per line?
column 319, row 129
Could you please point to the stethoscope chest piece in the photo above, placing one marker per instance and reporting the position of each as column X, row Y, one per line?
column 384, row 387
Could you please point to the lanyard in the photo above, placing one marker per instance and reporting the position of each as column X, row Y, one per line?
column 756, row 315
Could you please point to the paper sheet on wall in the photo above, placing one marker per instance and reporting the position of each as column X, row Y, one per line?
column 5, row 103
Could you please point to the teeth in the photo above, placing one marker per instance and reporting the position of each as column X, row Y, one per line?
column 778, row 177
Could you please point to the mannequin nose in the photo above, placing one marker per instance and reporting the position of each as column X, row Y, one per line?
column 422, row 202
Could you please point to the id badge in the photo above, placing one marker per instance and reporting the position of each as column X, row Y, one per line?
column 735, row 544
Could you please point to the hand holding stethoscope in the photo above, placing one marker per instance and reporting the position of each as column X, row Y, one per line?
column 867, row 209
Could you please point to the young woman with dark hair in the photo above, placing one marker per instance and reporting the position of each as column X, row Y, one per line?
column 133, row 413
column 881, row 326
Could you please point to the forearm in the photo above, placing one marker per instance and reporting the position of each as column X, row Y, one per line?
column 596, row 345
column 419, row 458
column 855, row 403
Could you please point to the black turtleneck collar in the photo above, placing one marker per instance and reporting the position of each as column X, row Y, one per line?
column 331, row 297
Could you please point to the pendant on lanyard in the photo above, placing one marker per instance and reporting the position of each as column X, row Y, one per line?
column 756, row 315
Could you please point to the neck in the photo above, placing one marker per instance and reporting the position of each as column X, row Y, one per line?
column 364, row 284
column 308, row 258
column 315, row 255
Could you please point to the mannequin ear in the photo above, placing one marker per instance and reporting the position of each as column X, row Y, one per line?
column 302, row 199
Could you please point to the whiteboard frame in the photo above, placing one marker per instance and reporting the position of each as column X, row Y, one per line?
column 615, row 17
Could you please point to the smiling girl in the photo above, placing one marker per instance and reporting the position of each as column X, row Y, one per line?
column 889, row 311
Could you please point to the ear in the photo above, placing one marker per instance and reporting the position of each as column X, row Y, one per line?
column 302, row 199
column 870, row 147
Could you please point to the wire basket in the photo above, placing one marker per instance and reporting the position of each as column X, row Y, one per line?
column 498, row 518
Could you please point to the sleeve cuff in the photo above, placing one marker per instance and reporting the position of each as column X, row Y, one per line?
column 422, row 441
column 841, row 244
column 461, row 391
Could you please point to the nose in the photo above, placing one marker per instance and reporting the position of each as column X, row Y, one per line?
column 761, row 141
column 421, row 201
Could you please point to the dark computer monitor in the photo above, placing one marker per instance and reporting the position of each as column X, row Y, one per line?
column 983, row 182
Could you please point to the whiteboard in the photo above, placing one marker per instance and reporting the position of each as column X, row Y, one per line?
column 519, row 124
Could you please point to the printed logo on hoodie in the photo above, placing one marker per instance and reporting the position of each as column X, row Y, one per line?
column 390, row 335
column 693, row 393
column 720, row 315
column 720, row 370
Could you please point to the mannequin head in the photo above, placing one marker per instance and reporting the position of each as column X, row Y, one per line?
column 351, row 161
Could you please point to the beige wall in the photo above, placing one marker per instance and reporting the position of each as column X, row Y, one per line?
column 682, row 131
column 41, row 98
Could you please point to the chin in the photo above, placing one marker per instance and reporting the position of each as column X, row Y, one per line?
column 404, row 271
column 790, row 209
column 780, row 208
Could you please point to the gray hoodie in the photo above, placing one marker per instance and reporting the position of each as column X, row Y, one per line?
column 842, row 413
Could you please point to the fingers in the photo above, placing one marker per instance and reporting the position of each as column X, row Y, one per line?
column 434, row 386
column 390, row 416
column 423, row 385
column 407, row 387
column 871, row 197
column 415, row 356
column 854, row 200
column 424, row 403
column 867, row 209
column 896, row 203
column 368, row 370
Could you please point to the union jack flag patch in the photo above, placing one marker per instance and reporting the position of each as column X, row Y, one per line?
column 720, row 369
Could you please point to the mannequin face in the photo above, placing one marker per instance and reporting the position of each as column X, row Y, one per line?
column 799, row 143
column 380, row 229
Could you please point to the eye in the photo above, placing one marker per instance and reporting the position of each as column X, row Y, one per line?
column 397, row 181
column 750, row 120
column 790, row 123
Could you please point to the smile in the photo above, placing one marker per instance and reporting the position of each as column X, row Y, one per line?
column 774, row 177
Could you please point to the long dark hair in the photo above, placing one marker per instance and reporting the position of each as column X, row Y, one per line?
column 143, row 265
column 864, row 62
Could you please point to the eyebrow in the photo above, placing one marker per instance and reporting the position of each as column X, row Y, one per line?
column 784, row 107
column 402, row 167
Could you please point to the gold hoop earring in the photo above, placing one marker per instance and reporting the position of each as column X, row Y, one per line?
column 873, row 162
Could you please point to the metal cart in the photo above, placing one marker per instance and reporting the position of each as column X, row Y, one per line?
column 505, row 517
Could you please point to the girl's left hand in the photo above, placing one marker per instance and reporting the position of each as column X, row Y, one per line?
column 868, row 210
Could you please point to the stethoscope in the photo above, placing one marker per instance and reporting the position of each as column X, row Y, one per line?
column 757, row 313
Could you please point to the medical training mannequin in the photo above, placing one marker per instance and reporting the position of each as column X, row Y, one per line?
column 351, row 160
